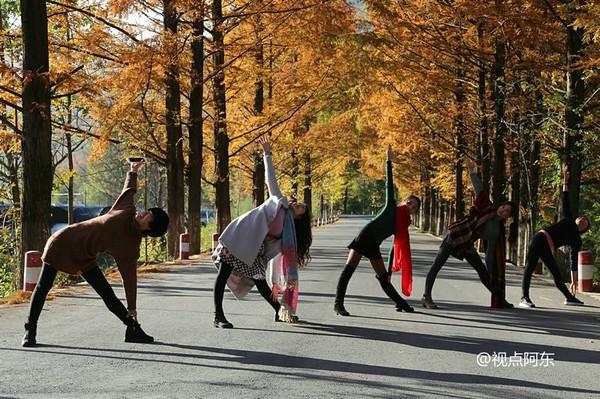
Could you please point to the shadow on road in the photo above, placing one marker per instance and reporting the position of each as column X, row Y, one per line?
column 300, row 366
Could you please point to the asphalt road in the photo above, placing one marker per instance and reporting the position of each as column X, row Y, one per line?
column 552, row 351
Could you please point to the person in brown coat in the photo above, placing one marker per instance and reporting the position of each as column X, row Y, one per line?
column 74, row 249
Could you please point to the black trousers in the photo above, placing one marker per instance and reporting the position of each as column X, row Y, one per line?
column 471, row 256
column 539, row 249
column 96, row 280
column 219, row 290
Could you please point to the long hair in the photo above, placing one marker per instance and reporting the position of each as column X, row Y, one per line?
column 303, row 228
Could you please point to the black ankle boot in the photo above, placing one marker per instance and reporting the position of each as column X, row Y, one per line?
column 342, row 286
column 390, row 291
column 277, row 306
column 221, row 322
column 134, row 333
column 29, row 337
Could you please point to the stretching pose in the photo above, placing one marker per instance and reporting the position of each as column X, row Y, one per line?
column 248, row 242
column 566, row 232
column 73, row 250
column 484, row 221
column 390, row 220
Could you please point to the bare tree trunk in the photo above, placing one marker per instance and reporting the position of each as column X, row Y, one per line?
column 574, row 114
column 175, row 186
column 484, row 145
column 220, row 121
column 499, row 175
column 195, row 129
column 258, row 174
column 308, row 182
column 37, row 132
column 13, row 165
column 515, row 191
column 258, row 180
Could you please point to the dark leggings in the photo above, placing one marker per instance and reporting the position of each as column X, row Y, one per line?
column 471, row 256
column 94, row 277
column 224, row 272
column 539, row 249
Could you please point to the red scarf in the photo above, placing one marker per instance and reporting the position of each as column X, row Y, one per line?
column 402, row 257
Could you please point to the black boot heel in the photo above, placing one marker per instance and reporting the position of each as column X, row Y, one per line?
column 29, row 340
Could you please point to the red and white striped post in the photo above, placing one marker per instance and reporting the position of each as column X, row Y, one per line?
column 33, row 268
column 184, row 246
column 215, row 240
column 585, row 271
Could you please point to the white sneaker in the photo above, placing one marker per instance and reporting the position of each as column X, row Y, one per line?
column 526, row 303
column 573, row 302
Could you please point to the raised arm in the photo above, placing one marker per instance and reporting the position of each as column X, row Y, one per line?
column 566, row 207
column 126, row 198
column 389, row 179
column 270, row 177
column 477, row 186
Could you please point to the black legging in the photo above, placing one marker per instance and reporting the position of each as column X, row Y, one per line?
column 539, row 249
column 96, row 280
column 219, row 290
column 471, row 256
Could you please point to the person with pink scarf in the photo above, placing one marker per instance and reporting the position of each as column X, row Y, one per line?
column 276, row 227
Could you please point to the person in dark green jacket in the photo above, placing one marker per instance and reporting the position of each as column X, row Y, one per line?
column 367, row 244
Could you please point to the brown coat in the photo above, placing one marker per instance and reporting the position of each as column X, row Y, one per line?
column 73, row 249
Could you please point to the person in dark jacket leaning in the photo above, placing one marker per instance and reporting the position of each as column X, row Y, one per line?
column 391, row 220
column 74, row 249
column 567, row 231
column 484, row 221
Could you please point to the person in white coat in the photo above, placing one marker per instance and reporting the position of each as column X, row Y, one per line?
column 251, row 240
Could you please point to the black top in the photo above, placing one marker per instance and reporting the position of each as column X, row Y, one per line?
column 565, row 232
column 383, row 224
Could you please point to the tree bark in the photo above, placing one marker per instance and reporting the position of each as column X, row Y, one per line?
column 307, row 189
column 499, row 175
column 175, row 181
column 258, row 174
column 220, row 120
column 195, row 130
column 37, row 131
column 483, row 152
column 573, row 113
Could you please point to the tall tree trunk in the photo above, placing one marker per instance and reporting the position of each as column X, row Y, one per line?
column 258, row 180
column 497, row 270
column 346, row 199
column 220, row 120
column 499, row 175
column 37, row 131
column 573, row 113
column 460, row 148
column 69, row 140
column 195, row 129
column 71, row 188
column 426, row 219
column 515, row 193
column 175, row 181
column 13, row 164
column 483, row 152
column 322, row 206
column 258, row 174
column 534, row 161
column 307, row 182
column 459, row 122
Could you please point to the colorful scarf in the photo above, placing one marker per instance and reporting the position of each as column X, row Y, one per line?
column 289, row 264
column 465, row 232
column 402, row 256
